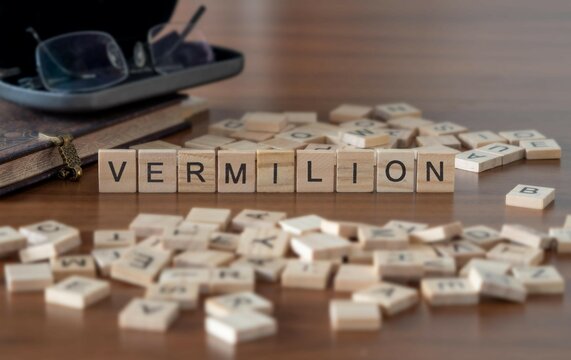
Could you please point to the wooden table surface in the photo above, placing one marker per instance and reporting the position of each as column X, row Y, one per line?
column 497, row 65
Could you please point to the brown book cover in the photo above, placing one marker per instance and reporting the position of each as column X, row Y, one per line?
column 28, row 156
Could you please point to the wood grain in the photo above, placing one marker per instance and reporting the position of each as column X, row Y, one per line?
column 500, row 65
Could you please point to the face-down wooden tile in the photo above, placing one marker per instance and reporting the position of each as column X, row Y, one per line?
column 319, row 246
column 349, row 112
column 346, row 315
column 352, row 277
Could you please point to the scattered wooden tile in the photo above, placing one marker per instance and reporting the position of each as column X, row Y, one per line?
column 302, row 224
column 236, row 171
column 117, row 170
column 395, row 170
column 346, row 315
column 203, row 258
column 567, row 223
column 184, row 294
column 355, row 170
column 563, row 238
column 497, row 285
column 477, row 161
column 81, row 265
column 223, row 241
column 255, row 136
column 154, row 242
column 362, row 124
column 104, row 239
column 409, row 123
column 148, row 315
column 527, row 236
column 516, row 254
column 331, row 147
column 446, row 140
column 396, row 111
column 509, row 153
column 307, row 275
column 352, row 277
column 357, row 255
column 196, row 276
column 442, row 128
column 48, row 239
column 304, row 135
column 449, row 291
column 541, row 149
column 241, row 326
column 196, row 170
column 382, row 238
column 482, row 235
column 221, row 306
column 77, row 292
column 139, row 266
column 476, row 139
column 11, row 240
column 435, row 170
column 404, row 137
column 462, row 251
column 154, row 145
column 407, row 226
column 530, row 196
column 28, row 277
column 392, row 298
column 153, row 224
column 229, row 280
column 243, row 145
column 263, row 242
column 319, row 246
column 540, row 280
column 401, row 265
column 208, row 142
column 439, row 266
column 188, row 236
column 439, row 233
column 266, row 269
column 226, row 127
column 514, row 137
column 105, row 257
column 499, row 267
column 365, row 137
column 257, row 218
column 344, row 229
column 348, row 112
column 265, row 121
column 283, row 144
column 275, row 171
column 301, row 117
column 157, row 171
column 219, row 217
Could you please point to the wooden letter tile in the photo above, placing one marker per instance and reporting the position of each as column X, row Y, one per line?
column 319, row 246
column 77, row 292
column 266, row 269
column 541, row 149
column 514, row 137
column 563, row 238
column 230, row 280
column 307, row 275
column 208, row 142
column 188, row 236
column 117, row 171
column 241, row 326
column 382, row 238
column 275, row 171
column 477, row 161
column 64, row 266
column 355, row 170
column 225, row 305
column 497, row 285
column 265, row 243
column 438, row 233
column 442, row 128
column 236, row 171
column 203, row 258
column 482, row 235
column 157, row 171
column 226, row 127
column 508, row 153
column 542, row 280
column 402, row 265
column 265, row 121
column 409, row 123
column 530, row 196
column 301, row 117
column 196, row 170
column 302, row 224
column 476, row 139
column 139, row 266
column 103, row 239
column 348, row 112
column 105, row 257
column 48, row 239
column 499, row 267
column 527, row 236
column 396, row 171
column 153, row 224
column 449, row 291
column 223, row 241
column 11, row 240
column 516, row 254
column 219, row 217
column 347, row 315
column 351, row 277
column 148, row 315
column 365, row 137
column 392, row 298
column 257, row 218
column 193, row 276
column 184, row 294
column 446, row 140
column 462, row 251
column 316, row 170
column 435, row 171
column 396, row 111
column 28, row 277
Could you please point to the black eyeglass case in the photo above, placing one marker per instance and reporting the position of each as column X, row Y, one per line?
column 127, row 21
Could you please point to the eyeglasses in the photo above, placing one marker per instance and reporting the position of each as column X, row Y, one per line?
column 86, row 61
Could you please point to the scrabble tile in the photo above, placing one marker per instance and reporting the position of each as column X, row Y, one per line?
column 355, row 170
column 196, row 170
column 194, row 276
column 404, row 137
column 307, row 275
column 105, row 257
column 188, row 236
column 241, row 326
column 255, row 136
column 81, row 265
column 28, row 277
column 104, row 239
column 514, row 137
column 221, row 306
column 423, row 251
column 153, row 224
column 476, row 139
column 208, row 142
column 358, row 255
column 263, row 242
column 331, row 147
column 117, row 170
column 567, row 223
column 349, row 112
column 449, row 291
column 243, row 145
column 230, row 280
column 482, row 235
column 11, row 240
column 439, row 233
column 407, row 226
column 304, row 135
column 499, row 267
column 346, row 315
column 530, row 196
column 77, row 292
column 283, row 144
column 267, row 269
column 351, row 277
column 344, row 229
column 365, row 137
column 236, row 171
column 157, row 171
column 409, row 123
column 319, row 246
column 527, row 236
column 439, row 266
column 399, row 264
column 257, row 218
column 220, row 217
column 148, row 315
column 516, row 254
column 435, row 171
column 497, row 285
column 265, row 121
column 541, row 149
column 462, row 251
column 302, row 224
column 226, row 127
column 396, row 170
column 442, row 128
column 562, row 237
column 540, row 280
column 48, row 239
column 362, row 124
column 396, row 111
column 139, row 266
column 223, row 241
column 316, row 170
column 184, row 294
column 301, row 117
column 275, row 171
column 477, row 161
column 446, row 140
column 382, row 238
column 203, row 258
column 509, row 153
column 391, row 298
column 154, row 145
column 154, row 242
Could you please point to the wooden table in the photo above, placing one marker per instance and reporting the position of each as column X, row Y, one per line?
column 496, row 65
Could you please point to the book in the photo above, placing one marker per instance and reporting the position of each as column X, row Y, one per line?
column 28, row 156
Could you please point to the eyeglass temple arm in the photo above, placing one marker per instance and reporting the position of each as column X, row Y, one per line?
column 35, row 35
